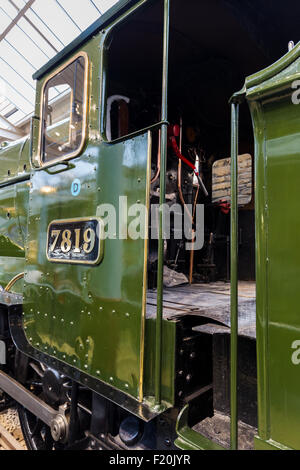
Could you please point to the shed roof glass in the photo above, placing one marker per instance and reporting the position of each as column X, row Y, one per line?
column 31, row 33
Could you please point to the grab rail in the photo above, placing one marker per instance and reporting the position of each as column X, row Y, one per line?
column 235, row 102
column 163, row 146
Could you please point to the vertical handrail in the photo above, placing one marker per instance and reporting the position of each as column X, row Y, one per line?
column 234, row 278
column 164, row 138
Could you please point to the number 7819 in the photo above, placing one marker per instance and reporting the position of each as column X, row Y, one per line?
column 72, row 238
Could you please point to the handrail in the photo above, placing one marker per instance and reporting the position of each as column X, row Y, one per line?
column 13, row 281
column 163, row 170
column 234, row 278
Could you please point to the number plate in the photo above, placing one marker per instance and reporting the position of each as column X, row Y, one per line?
column 77, row 241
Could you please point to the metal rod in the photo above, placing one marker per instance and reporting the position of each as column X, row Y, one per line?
column 234, row 278
column 74, row 420
column 163, row 168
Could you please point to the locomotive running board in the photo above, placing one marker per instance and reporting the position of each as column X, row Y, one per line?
column 23, row 396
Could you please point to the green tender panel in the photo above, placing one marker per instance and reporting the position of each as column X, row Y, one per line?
column 282, row 170
column 89, row 317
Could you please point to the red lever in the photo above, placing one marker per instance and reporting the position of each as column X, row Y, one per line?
column 225, row 207
column 174, row 132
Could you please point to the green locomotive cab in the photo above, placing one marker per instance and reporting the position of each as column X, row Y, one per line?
column 132, row 244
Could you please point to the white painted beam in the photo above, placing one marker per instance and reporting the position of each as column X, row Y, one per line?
column 7, row 134
column 5, row 122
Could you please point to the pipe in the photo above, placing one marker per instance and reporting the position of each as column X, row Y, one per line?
column 163, row 170
column 234, row 278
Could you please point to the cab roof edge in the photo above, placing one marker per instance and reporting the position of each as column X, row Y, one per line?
column 275, row 68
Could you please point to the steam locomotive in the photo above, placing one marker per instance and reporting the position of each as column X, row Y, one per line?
column 117, row 332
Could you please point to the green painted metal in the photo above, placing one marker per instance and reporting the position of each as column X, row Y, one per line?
column 14, row 193
column 260, row 444
column 77, row 313
column 188, row 439
column 234, row 276
column 168, row 366
column 276, row 127
column 163, row 169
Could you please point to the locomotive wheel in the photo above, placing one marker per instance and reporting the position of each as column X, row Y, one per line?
column 52, row 388
column 37, row 434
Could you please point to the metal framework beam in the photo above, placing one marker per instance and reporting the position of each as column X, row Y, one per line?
column 16, row 19
column 6, row 134
column 34, row 27
column 9, row 132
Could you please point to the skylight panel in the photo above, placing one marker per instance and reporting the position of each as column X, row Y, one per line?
column 75, row 10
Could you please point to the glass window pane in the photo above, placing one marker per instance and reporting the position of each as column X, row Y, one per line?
column 63, row 119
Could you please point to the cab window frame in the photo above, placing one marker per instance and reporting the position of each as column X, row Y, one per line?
column 73, row 154
column 107, row 38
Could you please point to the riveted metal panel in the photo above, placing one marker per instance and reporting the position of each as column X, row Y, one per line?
column 276, row 125
column 90, row 317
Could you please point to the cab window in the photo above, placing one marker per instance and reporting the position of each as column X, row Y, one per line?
column 133, row 72
column 64, row 112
